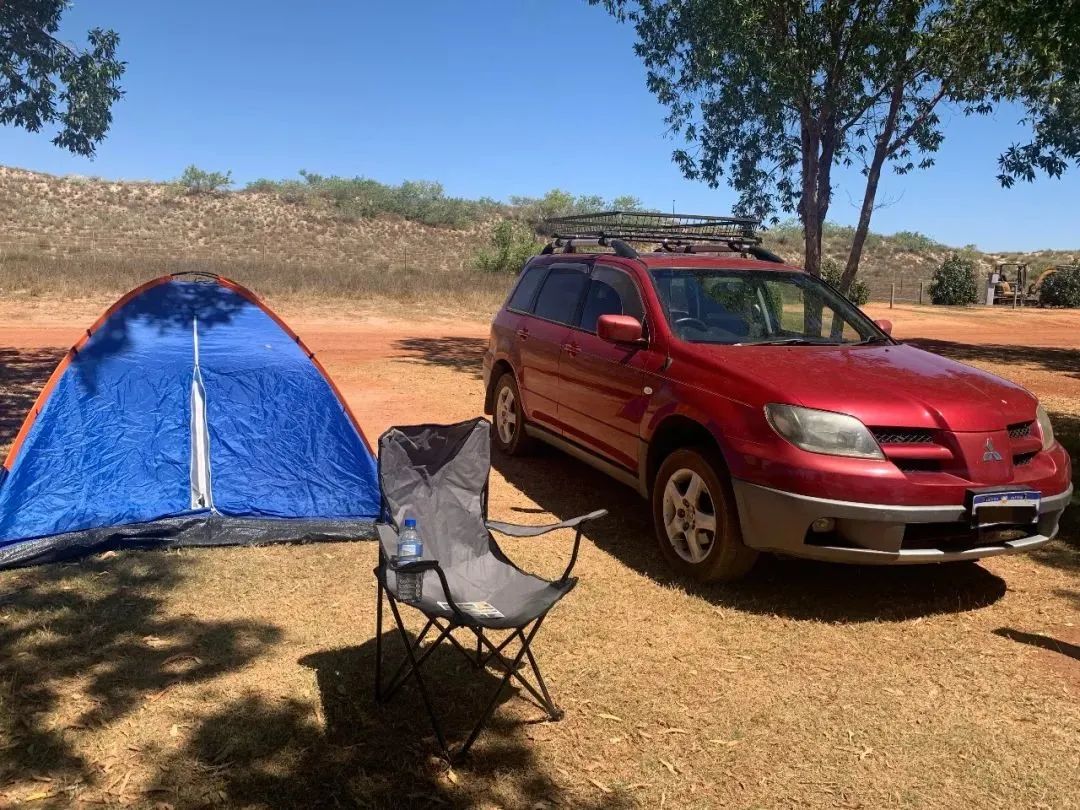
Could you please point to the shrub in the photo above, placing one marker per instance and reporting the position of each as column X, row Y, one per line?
column 914, row 242
column 954, row 282
column 196, row 181
column 858, row 293
column 512, row 243
column 559, row 203
column 1061, row 289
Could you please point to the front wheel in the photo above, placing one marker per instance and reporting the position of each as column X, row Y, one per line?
column 509, row 418
column 697, row 524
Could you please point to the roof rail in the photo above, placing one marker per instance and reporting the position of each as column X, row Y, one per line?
column 681, row 233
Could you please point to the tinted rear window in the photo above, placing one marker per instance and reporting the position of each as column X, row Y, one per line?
column 523, row 295
column 559, row 297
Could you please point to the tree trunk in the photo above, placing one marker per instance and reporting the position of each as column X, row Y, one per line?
column 873, row 177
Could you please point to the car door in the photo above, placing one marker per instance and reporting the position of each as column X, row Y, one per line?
column 541, row 335
column 603, row 397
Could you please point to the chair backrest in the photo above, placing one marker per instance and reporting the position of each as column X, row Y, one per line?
column 438, row 475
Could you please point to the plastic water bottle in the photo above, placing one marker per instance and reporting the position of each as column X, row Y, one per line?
column 410, row 548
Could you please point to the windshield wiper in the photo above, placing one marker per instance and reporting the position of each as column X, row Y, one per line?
column 872, row 339
column 791, row 341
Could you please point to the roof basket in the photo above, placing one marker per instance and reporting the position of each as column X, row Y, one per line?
column 676, row 233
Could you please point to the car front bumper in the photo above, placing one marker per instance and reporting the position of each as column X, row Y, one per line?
column 777, row 521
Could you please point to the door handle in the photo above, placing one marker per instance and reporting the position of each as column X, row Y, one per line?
column 523, row 334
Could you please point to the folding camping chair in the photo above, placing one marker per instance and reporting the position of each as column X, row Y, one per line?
column 438, row 474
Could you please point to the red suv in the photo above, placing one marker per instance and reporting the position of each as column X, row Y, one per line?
column 760, row 410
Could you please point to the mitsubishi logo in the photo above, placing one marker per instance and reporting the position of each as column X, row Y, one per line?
column 991, row 454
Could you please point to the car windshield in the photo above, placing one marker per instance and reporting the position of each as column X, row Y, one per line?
column 761, row 307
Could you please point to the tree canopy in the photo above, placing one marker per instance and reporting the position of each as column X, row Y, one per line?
column 771, row 95
column 45, row 81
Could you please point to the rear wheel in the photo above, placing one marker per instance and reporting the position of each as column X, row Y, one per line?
column 509, row 418
column 694, row 512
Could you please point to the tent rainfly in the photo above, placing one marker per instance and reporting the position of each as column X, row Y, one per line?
column 188, row 415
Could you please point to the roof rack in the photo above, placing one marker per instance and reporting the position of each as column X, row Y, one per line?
column 673, row 233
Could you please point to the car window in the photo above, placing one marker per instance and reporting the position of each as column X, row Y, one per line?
column 559, row 297
column 611, row 292
column 522, row 297
column 753, row 306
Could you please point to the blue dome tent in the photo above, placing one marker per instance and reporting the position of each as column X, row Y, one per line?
column 188, row 415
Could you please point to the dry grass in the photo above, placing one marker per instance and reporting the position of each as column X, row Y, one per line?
column 242, row 677
column 67, row 236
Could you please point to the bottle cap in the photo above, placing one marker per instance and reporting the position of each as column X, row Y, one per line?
column 410, row 523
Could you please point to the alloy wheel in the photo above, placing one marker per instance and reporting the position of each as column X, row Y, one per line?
column 506, row 415
column 689, row 515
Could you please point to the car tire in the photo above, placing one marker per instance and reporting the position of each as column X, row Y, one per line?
column 508, row 418
column 696, row 519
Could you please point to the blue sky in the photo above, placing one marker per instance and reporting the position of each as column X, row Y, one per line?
column 489, row 98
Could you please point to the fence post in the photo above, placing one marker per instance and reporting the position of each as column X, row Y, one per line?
column 892, row 295
column 921, row 285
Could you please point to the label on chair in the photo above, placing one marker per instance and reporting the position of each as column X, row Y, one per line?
column 481, row 610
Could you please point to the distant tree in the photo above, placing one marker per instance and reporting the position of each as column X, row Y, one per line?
column 511, row 244
column 197, row 181
column 954, row 282
column 1062, row 288
column 771, row 95
column 626, row 202
column 45, row 81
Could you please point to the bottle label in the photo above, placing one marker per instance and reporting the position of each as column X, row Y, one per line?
column 409, row 550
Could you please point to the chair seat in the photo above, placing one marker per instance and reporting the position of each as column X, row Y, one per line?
column 519, row 597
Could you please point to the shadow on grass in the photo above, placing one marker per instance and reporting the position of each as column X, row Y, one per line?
column 463, row 354
column 88, row 642
column 1049, row 358
column 1041, row 641
column 23, row 373
column 798, row 589
column 349, row 752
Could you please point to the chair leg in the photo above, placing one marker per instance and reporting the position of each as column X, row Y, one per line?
column 378, row 644
column 554, row 712
column 510, row 672
column 419, row 679
column 400, row 677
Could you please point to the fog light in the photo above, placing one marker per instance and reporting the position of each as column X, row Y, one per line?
column 823, row 525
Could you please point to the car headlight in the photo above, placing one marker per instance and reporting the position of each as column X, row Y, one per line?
column 1045, row 428
column 835, row 434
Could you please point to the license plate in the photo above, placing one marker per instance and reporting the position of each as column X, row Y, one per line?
column 1005, row 506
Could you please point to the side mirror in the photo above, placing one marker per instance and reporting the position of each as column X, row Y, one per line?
column 619, row 329
column 884, row 326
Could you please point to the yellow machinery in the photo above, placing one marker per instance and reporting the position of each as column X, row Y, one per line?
column 1008, row 284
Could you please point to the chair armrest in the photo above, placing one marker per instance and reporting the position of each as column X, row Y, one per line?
column 387, row 532
column 518, row 530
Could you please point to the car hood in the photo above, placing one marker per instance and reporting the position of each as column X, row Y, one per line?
column 895, row 385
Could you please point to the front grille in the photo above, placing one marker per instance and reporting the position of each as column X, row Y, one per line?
column 917, row 465
column 889, row 435
column 1020, row 430
column 1023, row 458
column 958, row 536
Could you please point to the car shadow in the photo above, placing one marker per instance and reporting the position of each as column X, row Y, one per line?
column 796, row 589
column 350, row 752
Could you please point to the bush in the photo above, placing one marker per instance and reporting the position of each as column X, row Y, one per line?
column 559, row 203
column 196, row 181
column 954, row 282
column 352, row 198
column 1061, row 289
column 512, row 243
column 858, row 293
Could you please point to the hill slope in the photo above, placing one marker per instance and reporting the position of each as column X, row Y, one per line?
column 79, row 236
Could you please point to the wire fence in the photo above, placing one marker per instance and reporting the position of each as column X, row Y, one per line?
column 900, row 291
